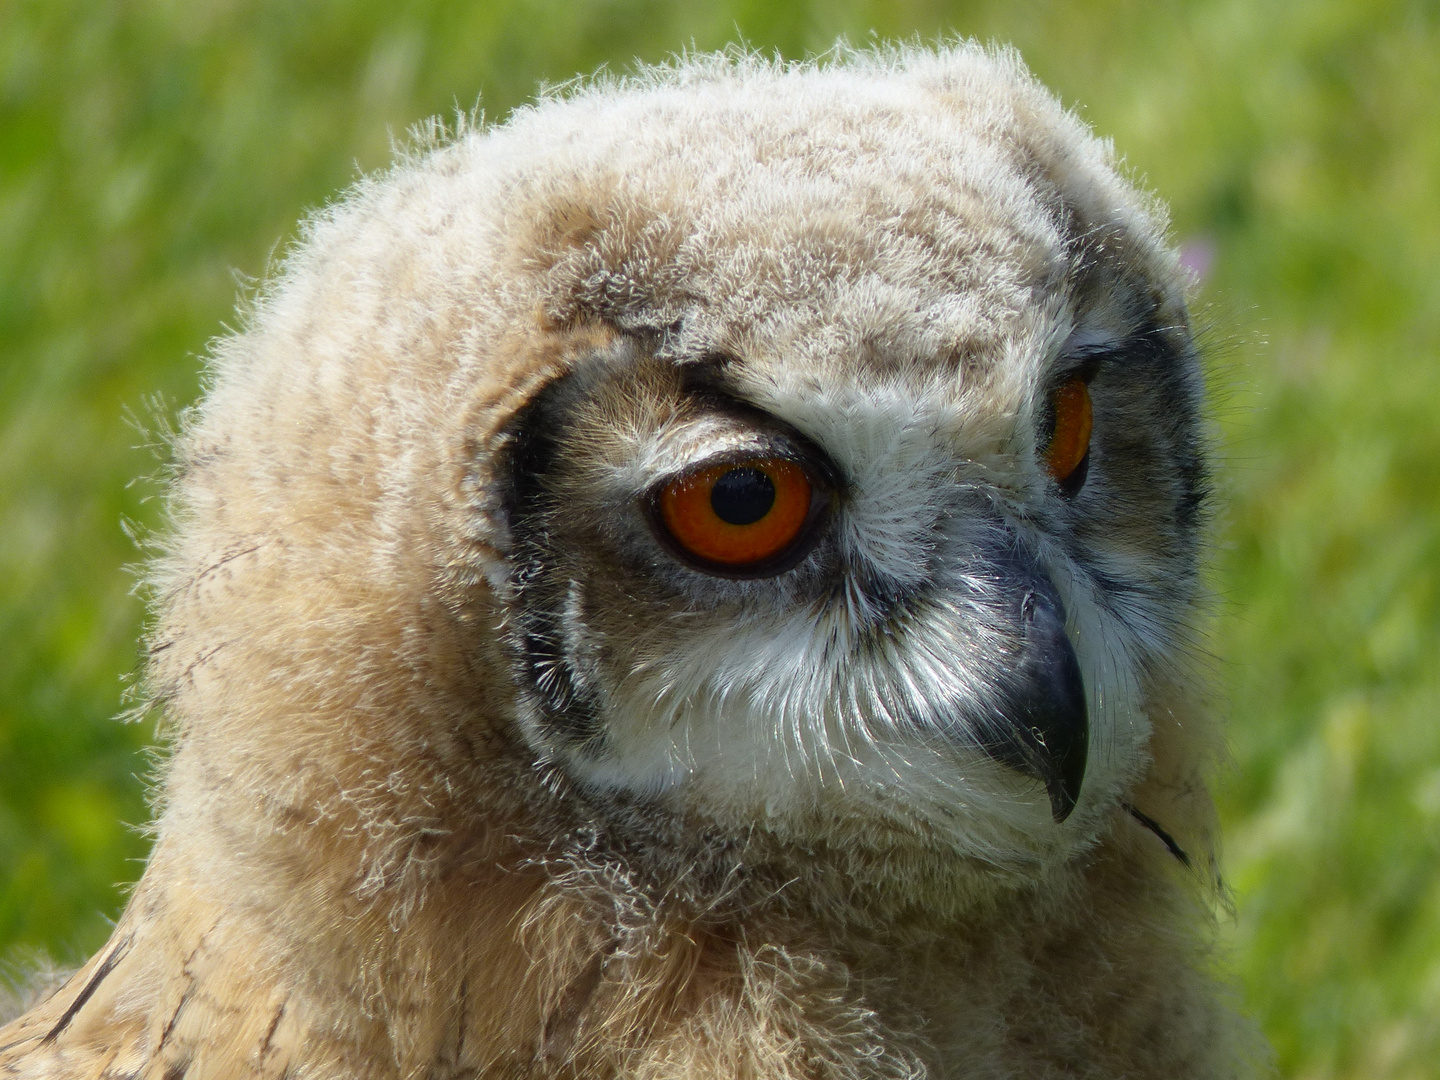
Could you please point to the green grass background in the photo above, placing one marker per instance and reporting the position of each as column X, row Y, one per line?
column 150, row 150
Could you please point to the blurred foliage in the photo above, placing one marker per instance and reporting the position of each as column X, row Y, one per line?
column 152, row 149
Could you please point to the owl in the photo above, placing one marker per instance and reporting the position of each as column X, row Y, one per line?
column 699, row 580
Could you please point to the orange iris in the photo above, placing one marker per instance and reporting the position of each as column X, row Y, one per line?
column 740, row 513
column 1074, row 418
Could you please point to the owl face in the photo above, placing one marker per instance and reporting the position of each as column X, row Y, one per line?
column 766, row 588
column 863, row 499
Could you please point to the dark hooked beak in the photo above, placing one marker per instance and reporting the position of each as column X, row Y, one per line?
column 1039, row 725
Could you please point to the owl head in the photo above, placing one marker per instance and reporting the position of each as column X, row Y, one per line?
column 738, row 453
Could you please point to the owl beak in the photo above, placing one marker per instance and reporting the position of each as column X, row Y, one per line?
column 1040, row 725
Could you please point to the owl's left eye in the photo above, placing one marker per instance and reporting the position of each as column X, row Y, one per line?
column 746, row 518
column 1069, row 449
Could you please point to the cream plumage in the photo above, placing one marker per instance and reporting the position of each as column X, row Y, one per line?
column 480, row 769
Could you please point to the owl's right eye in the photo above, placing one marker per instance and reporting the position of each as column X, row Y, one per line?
column 746, row 518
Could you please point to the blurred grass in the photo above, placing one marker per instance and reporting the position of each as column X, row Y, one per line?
column 149, row 149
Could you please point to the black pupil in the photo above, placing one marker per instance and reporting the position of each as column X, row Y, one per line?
column 742, row 496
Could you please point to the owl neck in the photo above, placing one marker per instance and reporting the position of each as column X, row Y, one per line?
column 511, row 956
